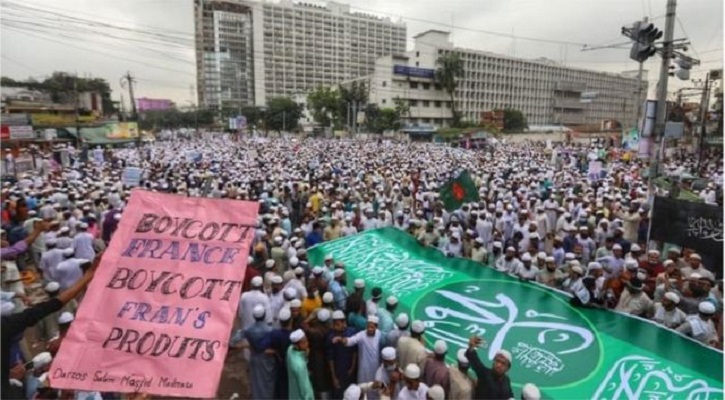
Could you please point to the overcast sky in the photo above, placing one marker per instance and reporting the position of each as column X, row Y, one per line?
column 30, row 48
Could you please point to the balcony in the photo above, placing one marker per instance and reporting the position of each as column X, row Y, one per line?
column 569, row 119
column 563, row 86
column 568, row 103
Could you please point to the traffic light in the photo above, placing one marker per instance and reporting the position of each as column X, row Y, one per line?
column 644, row 36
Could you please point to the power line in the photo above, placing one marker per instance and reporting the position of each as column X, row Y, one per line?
column 20, row 64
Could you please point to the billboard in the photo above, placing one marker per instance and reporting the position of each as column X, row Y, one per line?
column 147, row 104
column 20, row 132
column 414, row 71
column 122, row 130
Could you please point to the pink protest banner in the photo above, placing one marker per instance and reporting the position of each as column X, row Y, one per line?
column 158, row 314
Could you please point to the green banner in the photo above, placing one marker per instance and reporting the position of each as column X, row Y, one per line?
column 570, row 353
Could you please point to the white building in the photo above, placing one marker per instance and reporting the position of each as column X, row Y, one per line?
column 248, row 51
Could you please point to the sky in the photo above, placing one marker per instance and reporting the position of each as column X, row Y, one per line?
column 38, row 37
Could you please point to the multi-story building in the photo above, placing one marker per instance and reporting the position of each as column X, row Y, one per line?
column 545, row 91
column 248, row 51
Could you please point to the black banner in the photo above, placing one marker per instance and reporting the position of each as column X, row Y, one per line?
column 693, row 225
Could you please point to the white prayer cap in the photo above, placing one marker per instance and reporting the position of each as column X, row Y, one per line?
column 290, row 293
column 83, row 225
column 373, row 319
column 412, row 371
column 526, row 257
column 327, row 298
column 328, row 257
column 278, row 239
column 257, row 281
column 706, row 307
column 436, row 392
column 511, row 249
column 317, row 270
column 65, row 318
column 250, row 260
column 695, row 256
column 593, row 266
column 258, row 311
column 353, row 392
column 505, row 354
column 577, row 269
column 550, row 259
column 617, row 246
column 497, row 244
column 284, row 314
column 323, row 314
column 68, row 252
column 667, row 263
column 64, row 229
column 440, row 347
column 530, row 392
column 52, row 287
column 462, row 359
column 299, row 271
column 635, row 247
column 478, row 240
column 359, row 283
column 296, row 336
column 269, row 263
column 392, row 300
column 541, row 255
column 673, row 297
column 389, row 354
column 42, row 359
column 339, row 272
column 277, row 280
column 402, row 320
column 294, row 261
column 296, row 303
column 337, row 315
column 630, row 263
column 569, row 256
column 418, row 326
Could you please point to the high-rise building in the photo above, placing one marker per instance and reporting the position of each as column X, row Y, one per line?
column 249, row 51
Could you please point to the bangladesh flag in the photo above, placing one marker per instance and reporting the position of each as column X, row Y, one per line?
column 568, row 352
column 459, row 190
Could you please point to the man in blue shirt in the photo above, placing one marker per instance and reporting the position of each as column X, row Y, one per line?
column 314, row 237
column 342, row 359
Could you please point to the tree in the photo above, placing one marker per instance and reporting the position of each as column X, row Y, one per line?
column 323, row 104
column 514, row 121
column 450, row 69
column 253, row 114
column 353, row 98
column 282, row 114
column 389, row 119
column 402, row 107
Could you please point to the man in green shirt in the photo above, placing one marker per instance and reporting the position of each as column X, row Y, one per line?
column 300, row 386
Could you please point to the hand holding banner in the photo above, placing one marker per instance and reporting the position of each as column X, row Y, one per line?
column 163, row 300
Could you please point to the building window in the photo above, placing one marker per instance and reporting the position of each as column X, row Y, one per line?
column 426, row 103
column 417, row 54
column 383, row 101
column 448, row 104
column 417, row 64
column 437, row 104
column 426, row 86
column 414, row 85
column 438, row 87
column 413, row 103
column 426, row 120
column 385, row 83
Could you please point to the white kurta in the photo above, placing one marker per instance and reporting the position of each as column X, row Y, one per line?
column 68, row 272
column 83, row 246
column 246, row 307
column 49, row 260
column 368, row 354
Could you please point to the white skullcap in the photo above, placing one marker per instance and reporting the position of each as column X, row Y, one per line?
column 630, row 263
column 327, row 297
column 653, row 252
column 373, row 319
column 269, row 263
column 550, row 259
column 323, row 314
column 68, row 252
column 328, row 257
column 569, row 256
column 277, row 279
column 402, row 320
column 462, row 359
column 541, row 255
column 641, row 275
column 258, row 311
column 294, row 261
column 577, row 269
column 526, row 257
column 694, row 276
column 530, row 392
column 296, row 303
column 392, row 300
column 257, row 281
column 667, row 263
column 278, row 239
column 389, row 354
column 290, row 293
column 317, row 270
column 440, row 347
column 436, row 392
column 339, row 272
column 299, row 271
column 65, row 318
column 359, row 283
column 296, row 336
column 42, row 359
column 510, row 248
column 418, row 326
column 284, row 314
column 696, row 256
column 593, row 266
column 412, row 371
column 706, row 307
column 337, row 315
column 250, row 260
column 635, row 247
column 505, row 355
column 497, row 244
column 353, row 392
column 673, row 297
column 52, row 287
column 64, row 229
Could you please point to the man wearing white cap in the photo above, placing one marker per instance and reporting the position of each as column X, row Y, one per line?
column 280, row 342
column 411, row 350
column 666, row 313
column 38, row 375
column 49, row 260
column 341, row 358
column 368, row 343
column 83, row 243
column 277, row 253
column 700, row 326
column 461, row 382
column 414, row 389
column 401, row 329
column 300, row 386
column 385, row 315
column 262, row 365
column 250, row 299
column 493, row 383
column 47, row 328
column 337, row 288
column 69, row 271
column 530, row 392
column 384, row 374
column 695, row 267
column 436, row 370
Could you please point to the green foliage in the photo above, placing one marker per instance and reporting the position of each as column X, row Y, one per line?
column 282, row 114
column 450, row 70
column 402, row 107
column 389, row 119
column 514, row 121
column 254, row 115
column 324, row 105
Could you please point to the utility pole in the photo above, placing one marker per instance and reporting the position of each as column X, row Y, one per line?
column 128, row 79
column 658, row 134
column 640, row 72
column 79, row 139
column 703, row 118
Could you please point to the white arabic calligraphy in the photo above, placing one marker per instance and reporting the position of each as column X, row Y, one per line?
column 703, row 228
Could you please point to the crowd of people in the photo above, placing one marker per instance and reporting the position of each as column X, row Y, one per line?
column 306, row 331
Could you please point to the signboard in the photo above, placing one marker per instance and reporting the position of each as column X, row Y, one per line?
column 24, row 164
column 121, row 130
column 694, row 225
column 50, row 134
column 237, row 123
column 59, row 119
column 568, row 352
column 674, row 130
column 14, row 119
column 414, row 71
column 21, row 132
column 595, row 170
column 588, row 97
column 157, row 316
column 132, row 176
column 4, row 132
